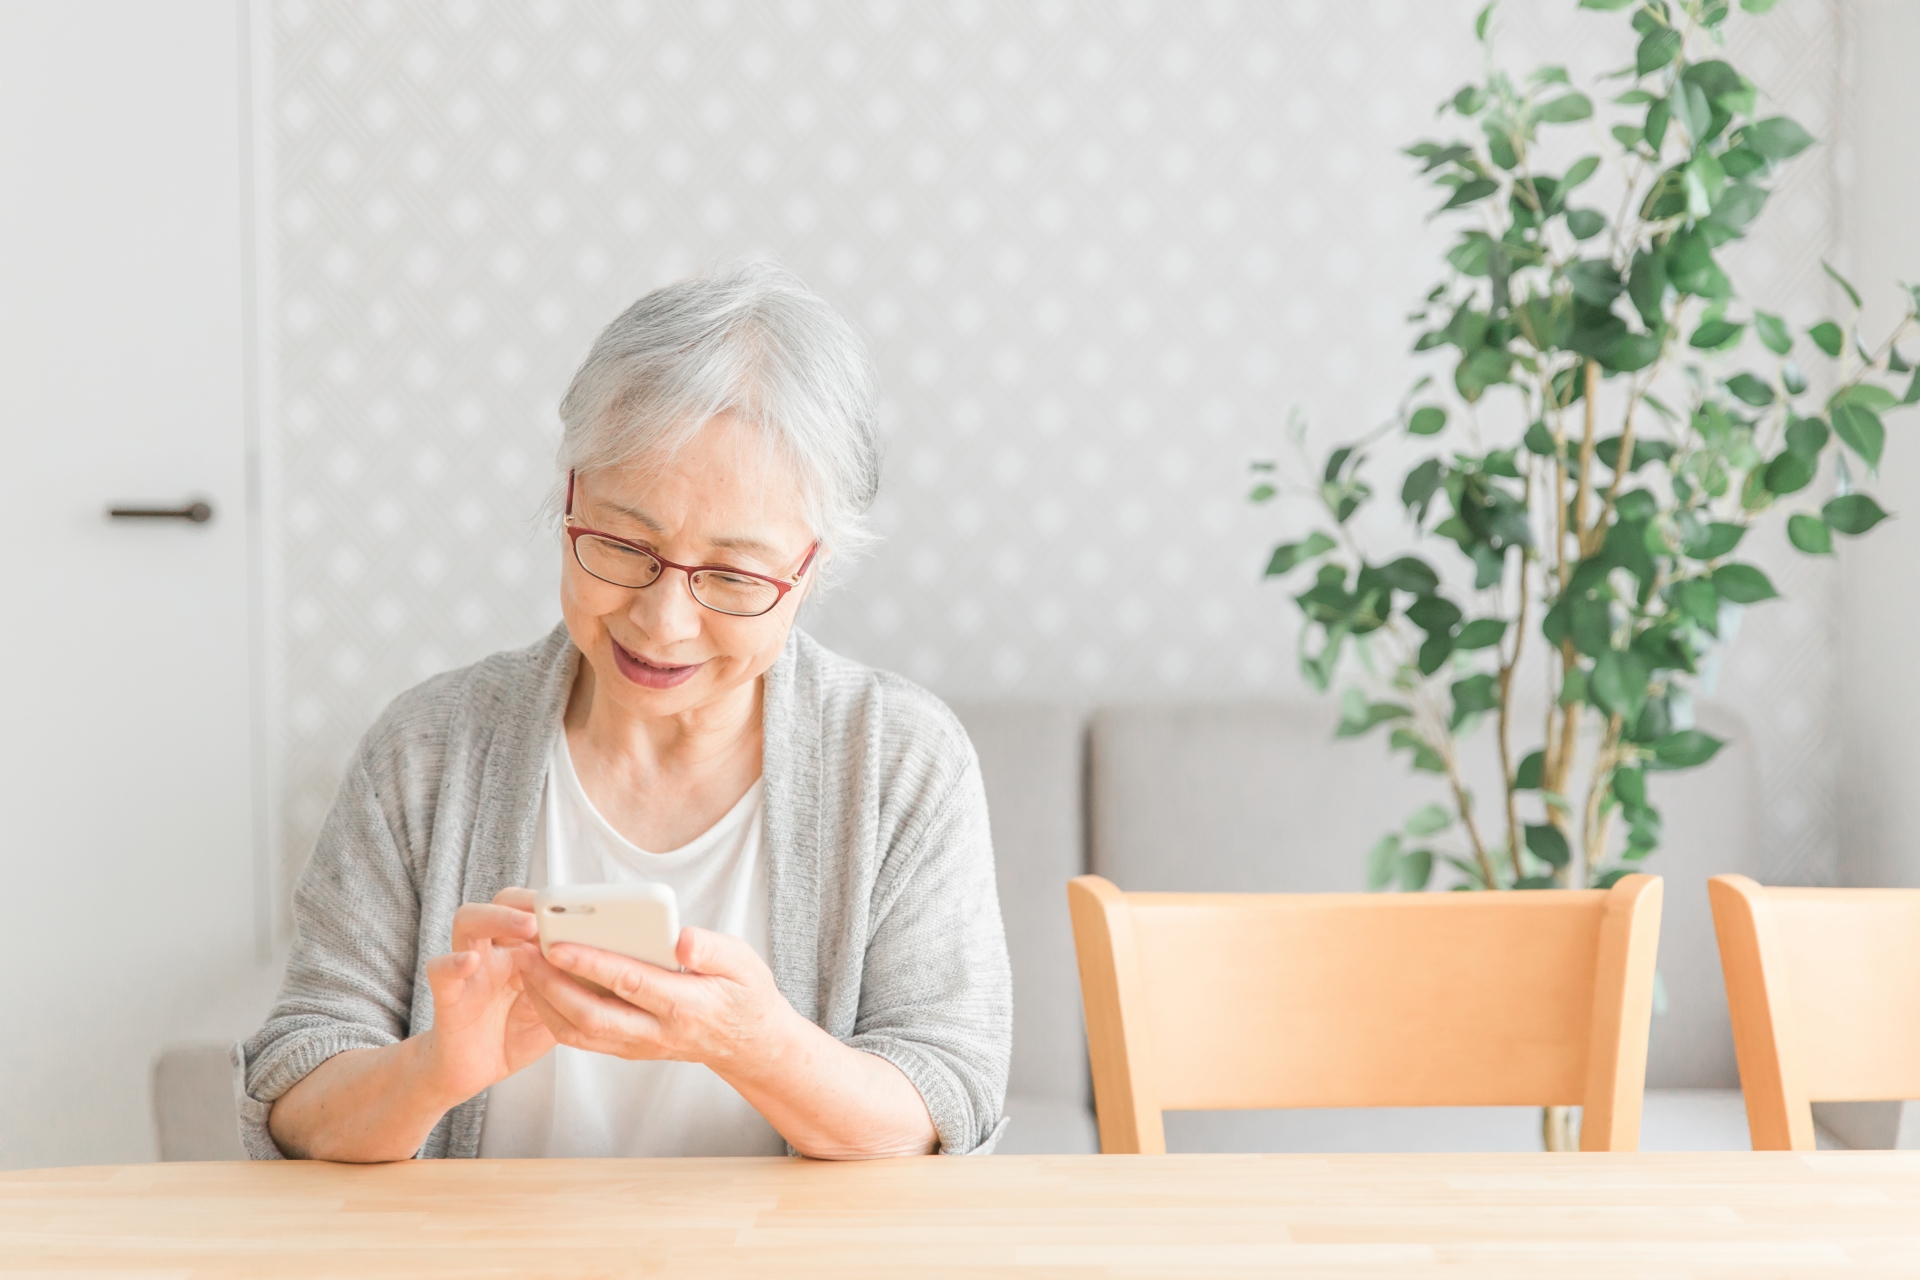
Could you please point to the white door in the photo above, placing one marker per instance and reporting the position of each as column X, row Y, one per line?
column 126, row 833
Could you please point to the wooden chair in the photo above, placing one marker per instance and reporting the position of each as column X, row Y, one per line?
column 1824, row 989
column 1199, row 1001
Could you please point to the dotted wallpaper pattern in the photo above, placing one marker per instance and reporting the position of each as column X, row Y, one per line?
column 1100, row 249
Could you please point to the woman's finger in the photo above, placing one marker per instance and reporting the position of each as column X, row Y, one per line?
column 578, row 1017
column 719, row 954
column 634, row 981
column 518, row 899
column 477, row 920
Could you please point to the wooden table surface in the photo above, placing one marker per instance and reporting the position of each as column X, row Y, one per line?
column 1558, row 1216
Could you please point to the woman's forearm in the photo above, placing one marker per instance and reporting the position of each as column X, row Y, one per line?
column 363, row 1106
column 831, row 1101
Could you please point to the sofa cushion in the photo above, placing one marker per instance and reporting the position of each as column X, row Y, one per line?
column 1032, row 759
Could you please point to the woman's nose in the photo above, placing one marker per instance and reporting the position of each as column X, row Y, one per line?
column 667, row 611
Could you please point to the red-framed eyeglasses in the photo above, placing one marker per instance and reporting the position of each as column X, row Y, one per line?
column 738, row 593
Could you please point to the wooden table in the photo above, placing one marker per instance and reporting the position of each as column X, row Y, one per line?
column 1557, row 1216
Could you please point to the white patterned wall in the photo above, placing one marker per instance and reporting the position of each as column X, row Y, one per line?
column 1100, row 250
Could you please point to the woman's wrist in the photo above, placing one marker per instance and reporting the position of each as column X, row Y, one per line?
column 431, row 1078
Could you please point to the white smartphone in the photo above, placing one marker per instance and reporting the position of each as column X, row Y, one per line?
column 637, row 920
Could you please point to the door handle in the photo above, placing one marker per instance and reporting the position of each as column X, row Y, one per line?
column 195, row 512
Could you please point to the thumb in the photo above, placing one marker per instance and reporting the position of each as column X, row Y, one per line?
column 447, row 970
column 704, row 951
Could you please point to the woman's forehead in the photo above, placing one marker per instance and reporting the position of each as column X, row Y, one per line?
column 724, row 486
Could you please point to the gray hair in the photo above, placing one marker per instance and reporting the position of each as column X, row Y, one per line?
column 751, row 341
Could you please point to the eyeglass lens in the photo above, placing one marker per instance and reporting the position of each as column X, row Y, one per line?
column 626, row 566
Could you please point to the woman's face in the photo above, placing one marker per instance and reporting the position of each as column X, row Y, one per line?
column 656, row 651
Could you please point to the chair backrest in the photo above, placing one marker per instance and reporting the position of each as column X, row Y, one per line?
column 1225, row 1001
column 1823, row 986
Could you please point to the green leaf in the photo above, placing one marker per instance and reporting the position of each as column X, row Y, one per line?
column 1913, row 390
column 1482, row 20
column 1383, row 863
column 1532, row 768
column 1853, row 514
column 1688, row 102
column 1619, row 683
column 1594, row 280
column 1789, row 473
column 1427, row 420
column 1716, row 334
column 1842, row 281
column 1606, row 4
column 1468, row 192
column 1564, row 109
column 1631, row 786
column 1632, row 352
column 1687, row 748
column 1425, row 758
column 1578, row 172
column 1291, row 554
column 1410, row 574
column 1472, row 696
column 1866, row 395
column 1773, row 332
column 1700, row 602
column 1658, row 49
column 1545, row 842
column 1776, row 138
column 1714, row 541
column 1807, row 437
column 1416, row 870
column 1810, row 534
column 1262, row 493
column 1481, row 633
column 1433, row 614
column 1357, row 715
column 1539, row 440
column 1585, row 224
column 1861, row 430
column 1421, row 484
column 1535, row 882
column 1434, row 652
column 1742, row 584
column 1750, row 390
column 1827, row 336
column 1758, row 6
column 1429, row 820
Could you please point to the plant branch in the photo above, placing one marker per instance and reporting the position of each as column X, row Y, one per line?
column 1505, row 728
column 1592, row 395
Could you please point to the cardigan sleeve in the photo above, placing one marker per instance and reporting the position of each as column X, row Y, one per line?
column 936, row 996
column 350, row 975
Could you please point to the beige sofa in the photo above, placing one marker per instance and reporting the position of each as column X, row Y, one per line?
column 1238, row 797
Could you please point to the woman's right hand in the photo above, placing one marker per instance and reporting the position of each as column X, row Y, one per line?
column 484, row 1028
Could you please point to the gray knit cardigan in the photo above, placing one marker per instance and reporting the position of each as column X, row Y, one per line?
column 884, row 923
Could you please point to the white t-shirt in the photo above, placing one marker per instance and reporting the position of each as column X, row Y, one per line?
column 576, row 1103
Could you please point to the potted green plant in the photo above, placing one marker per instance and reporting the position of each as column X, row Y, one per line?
column 1608, row 422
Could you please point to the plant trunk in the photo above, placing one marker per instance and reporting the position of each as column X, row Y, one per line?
column 1559, row 1130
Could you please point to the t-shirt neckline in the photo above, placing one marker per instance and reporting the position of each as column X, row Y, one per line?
column 729, row 823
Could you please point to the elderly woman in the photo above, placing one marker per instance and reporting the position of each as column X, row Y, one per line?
column 844, row 990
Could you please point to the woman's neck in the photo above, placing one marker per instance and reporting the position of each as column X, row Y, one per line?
column 694, row 741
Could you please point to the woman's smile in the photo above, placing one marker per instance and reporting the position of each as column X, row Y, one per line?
column 653, row 675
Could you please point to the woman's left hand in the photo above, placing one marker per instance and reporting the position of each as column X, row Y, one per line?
column 724, row 1011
